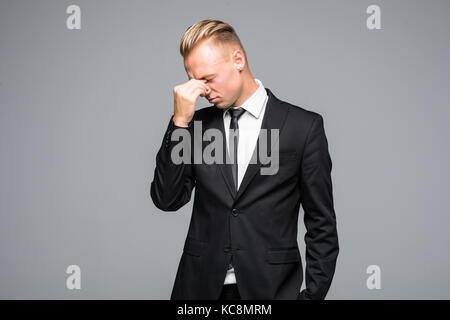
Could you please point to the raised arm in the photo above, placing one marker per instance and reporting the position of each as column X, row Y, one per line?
column 173, row 182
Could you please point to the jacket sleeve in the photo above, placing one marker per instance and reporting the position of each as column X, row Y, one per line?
column 172, row 183
column 321, row 238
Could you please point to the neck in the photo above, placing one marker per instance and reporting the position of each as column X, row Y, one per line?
column 248, row 89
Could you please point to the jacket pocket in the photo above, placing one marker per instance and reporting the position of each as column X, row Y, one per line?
column 194, row 247
column 288, row 255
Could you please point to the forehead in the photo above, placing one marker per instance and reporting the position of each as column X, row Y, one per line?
column 205, row 59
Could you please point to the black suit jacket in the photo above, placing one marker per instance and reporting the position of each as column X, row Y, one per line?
column 255, row 228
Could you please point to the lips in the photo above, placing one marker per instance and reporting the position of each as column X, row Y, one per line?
column 212, row 99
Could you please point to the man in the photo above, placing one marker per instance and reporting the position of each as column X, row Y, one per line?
column 242, row 238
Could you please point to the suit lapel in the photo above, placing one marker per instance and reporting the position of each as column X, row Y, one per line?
column 274, row 118
column 225, row 167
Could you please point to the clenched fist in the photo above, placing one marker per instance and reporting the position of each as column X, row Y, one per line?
column 185, row 97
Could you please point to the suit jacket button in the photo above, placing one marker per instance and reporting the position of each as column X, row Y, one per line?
column 234, row 212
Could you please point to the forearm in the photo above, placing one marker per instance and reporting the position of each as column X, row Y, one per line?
column 172, row 184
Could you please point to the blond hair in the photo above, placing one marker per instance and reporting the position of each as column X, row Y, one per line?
column 218, row 31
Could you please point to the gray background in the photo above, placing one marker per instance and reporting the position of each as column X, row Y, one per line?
column 83, row 113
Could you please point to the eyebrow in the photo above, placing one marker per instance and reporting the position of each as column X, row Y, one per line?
column 206, row 76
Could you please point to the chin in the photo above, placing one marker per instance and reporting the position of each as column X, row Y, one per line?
column 218, row 105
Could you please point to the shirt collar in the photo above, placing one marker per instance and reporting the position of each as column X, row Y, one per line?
column 255, row 103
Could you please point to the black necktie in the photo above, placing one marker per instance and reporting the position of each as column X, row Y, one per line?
column 235, row 114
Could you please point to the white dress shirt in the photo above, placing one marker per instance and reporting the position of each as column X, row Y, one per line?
column 249, row 126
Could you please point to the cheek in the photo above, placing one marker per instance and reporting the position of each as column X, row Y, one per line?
column 225, row 84
column 220, row 86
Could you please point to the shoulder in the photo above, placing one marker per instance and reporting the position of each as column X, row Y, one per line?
column 303, row 117
column 302, row 113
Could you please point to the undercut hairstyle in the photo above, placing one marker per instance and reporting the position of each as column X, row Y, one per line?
column 219, row 32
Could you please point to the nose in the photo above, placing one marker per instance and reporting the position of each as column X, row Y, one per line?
column 207, row 91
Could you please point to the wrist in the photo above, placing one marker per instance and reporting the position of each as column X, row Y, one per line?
column 180, row 122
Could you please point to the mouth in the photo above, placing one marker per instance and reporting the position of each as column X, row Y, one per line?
column 212, row 100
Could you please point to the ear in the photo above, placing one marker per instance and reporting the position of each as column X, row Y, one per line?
column 238, row 59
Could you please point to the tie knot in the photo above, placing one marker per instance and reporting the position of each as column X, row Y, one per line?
column 236, row 113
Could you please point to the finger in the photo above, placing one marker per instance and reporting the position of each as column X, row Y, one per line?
column 200, row 91
column 194, row 83
column 199, row 85
column 190, row 85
